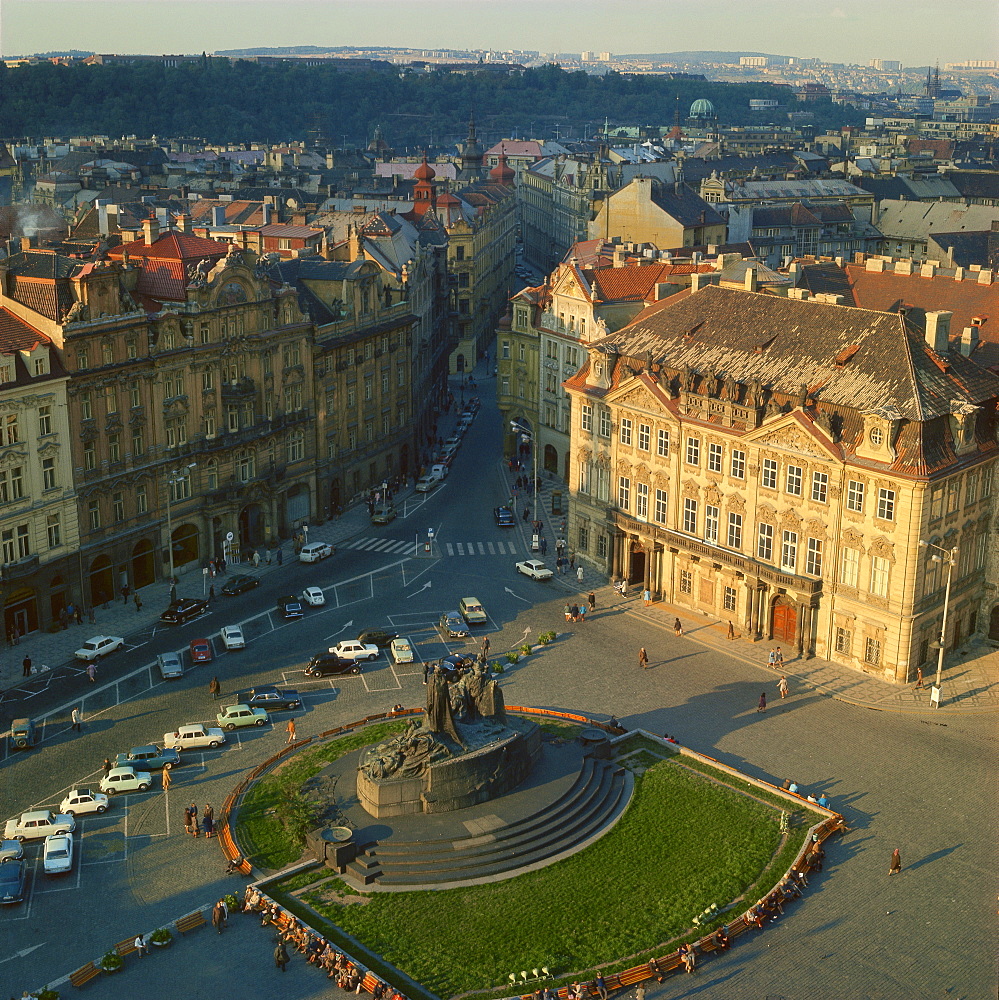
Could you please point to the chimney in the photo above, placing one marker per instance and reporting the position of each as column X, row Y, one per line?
column 959, row 274
column 874, row 264
column 698, row 281
column 903, row 266
column 218, row 215
column 102, row 216
column 184, row 222
column 751, row 283
column 985, row 277
column 150, row 230
column 927, row 270
column 618, row 257
column 938, row 330
column 712, row 249
column 798, row 293
column 266, row 212
column 969, row 340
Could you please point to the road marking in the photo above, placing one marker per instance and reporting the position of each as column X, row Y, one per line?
column 461, row 548
column 450, row 548
column 23, row 952
column 492, row 548
column 482, row 549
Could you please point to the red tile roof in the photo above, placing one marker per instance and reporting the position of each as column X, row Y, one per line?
column 164, row 262
column 16, row 335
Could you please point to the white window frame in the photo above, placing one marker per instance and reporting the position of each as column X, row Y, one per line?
column 738, row 465
column 662, row 442
column 855, row 496
column 693, row 452
column 792, row 480
column 690, row 516
column 765, row 541
column 644, row 437
column 813, row 557
column 734, row 531
column 661, row 509
column 586, row 417
column 886, row 504
column 820, row 487
column 642, row 501
column 712, row 516
column 625, row 430
column 789, row 551
column 624, row 492
column 768, row 474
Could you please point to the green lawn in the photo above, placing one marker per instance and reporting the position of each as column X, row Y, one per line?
column 684, row 843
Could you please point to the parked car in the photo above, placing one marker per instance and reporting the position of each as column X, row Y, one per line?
column 12, row 879
column 193, row 737
column 454, row 665
column 382, row 513
column 270, row 697
column 330, row 665
column 11, row 850
column 315, row 551
column 378, row 636
column 453, row 441
column 440, row 471
column 470, row 608
column 353, row 649
column 201, row 651
column 452, row 625
column 98, row 646
column 314, row 597
column 232, row 637
column 183, row 610
column 170, row 665
column 126, row 779
column 535, row 569
column 401, row 650
column 82, row 800
column 504, row 518
column 23, row 734
column 148, row 758
column 290, row 607
column 428, row 482
column 237, row 716
column 38, row 823
column 57, row 854
column 240, row 585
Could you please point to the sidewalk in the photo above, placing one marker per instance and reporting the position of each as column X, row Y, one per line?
column 970, row 677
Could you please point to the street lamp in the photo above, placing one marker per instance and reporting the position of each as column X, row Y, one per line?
column 527, row 435
column 948, row 556
column 173, row 478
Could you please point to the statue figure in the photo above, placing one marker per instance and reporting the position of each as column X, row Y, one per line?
column 78, row 312
column 439, row 714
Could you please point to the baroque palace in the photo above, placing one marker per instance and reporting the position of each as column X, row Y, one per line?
column 777, row 461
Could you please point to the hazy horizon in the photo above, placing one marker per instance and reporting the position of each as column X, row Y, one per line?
column 850, row 31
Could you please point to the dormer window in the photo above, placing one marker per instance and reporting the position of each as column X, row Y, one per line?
column 877, row 437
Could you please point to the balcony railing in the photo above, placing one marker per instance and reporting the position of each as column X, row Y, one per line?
column 243, row 388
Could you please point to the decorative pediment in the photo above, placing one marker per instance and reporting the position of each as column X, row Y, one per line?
column 882, row 548
column 713, row 495
column 853, row 538
column 51, row 447
column 736, row 503
column 816, row 528
column 635, row 394
column 584, row 454
column 795, row 434
column 15, row 455
column 790, row 521
column 691, row 488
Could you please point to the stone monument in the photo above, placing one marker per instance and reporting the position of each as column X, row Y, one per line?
column 463, row 751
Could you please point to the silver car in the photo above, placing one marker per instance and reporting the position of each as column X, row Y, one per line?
column 170, row 665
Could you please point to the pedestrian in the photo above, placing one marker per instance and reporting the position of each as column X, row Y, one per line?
column 188, row 820
column 281, row 956
column 731, row 630
column 623, row 588
column 167, row 779
column 677, row 627
column 208, row 821
column 579, row 573
column 211, row 593
column 428, row 669
column 224, row 907
column 26, row 667
column 214, row 688
column 124, row 594
column 77, row 718
column 643, row 659
column 217, row 916
column 107, row 765
column 140, row 945
column 647, row 596
column 782, row 687
column 572, row 560
column 280, row 556
column 568, row 613
column 762, row 707
column 896, row 862
column 79, row 616
column 581, row 614
column 601, row 986
column 195, row 829
column 256, row 559
column 919, row 678
column 138, row 602
column 485, row 645
column 591, row 600
column 544, row 545
column 270, row 555
column 772, row 658
column 92, row 672
column 291, row 731
column 779, row 661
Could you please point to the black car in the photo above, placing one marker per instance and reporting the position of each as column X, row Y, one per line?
column 453, row 625
column 377, row 637
column 270, row 697
column 453, row 666
column 240, row 585
column 504, row 517
column 183, row 610
column 290, row 607
column 12, row 878
column 329, row 664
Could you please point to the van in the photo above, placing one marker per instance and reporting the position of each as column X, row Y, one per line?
column 315, row 551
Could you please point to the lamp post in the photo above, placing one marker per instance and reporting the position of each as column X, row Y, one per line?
column 173, row 478
column 527, row 435
column 948, row 556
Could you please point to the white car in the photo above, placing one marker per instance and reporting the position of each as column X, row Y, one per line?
column 11, row 850
column 193, row 737
column 535, row 569
column 313, row 596
column 126, row 779
column 315, row 551
column 232, row 637
column 57, row 854
column 401, row 650
column 427, row 483
column 98, row 646
column 36, row 824
column 83, row 800
column 354, row 649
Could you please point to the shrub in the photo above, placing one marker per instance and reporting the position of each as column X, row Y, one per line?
column 497, row 667
column 512, row 657
column 232, row 901
column 47, row 994
column 161, row 936
column 526, row 649
column 112, row 961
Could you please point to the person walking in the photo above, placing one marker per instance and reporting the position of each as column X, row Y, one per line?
column 124, row 594
column 281, row 956
column 762, row 707
column 731, row 631
column 214, row 688
column 26, row 667
column 647, row 596
column 167, row 779
column 188, row 820
column 579, row 573
column 919, row 678
column 778, row 657
column 217, row 916
column 138, row 602
column 782, row 687
column 591, row 601
column 896, row 862
column 643, row 659
column 677, row 627
column 291, row 731
column 92, row 672
column 107, row 765
column 280, row 556
column 77, row 716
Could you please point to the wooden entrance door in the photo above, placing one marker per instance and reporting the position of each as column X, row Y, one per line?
column 783, row 620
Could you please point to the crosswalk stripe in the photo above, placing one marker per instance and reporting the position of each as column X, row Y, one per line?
column 461, row 548
column 450, row 548
column 492, row 548
column 482, row 549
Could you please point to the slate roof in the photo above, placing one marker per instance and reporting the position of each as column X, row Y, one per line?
column 968, row 248
column 908, row 220
column 755, row 190
column 683, row 205
column 975, row 183
column 36, row 279
column 788, row 343
column 778, row 163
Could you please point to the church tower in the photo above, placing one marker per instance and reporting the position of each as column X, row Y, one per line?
column 472, row 155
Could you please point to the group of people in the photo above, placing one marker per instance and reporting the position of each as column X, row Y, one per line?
column 191, row 825
column 793, row 787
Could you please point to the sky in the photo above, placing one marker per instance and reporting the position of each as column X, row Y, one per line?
column 917, row 32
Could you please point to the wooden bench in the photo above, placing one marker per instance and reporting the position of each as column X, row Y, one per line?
column 631, row 976
column 191, row 922
column 369, row 982
column 84, row 974
column 127, row 947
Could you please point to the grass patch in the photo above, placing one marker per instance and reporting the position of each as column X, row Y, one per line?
column 640, row 760
column 639, row 741
column 563, row 730
column 260, row 833
column 683, row 844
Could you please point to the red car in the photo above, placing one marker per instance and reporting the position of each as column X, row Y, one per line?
column 201, row 651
